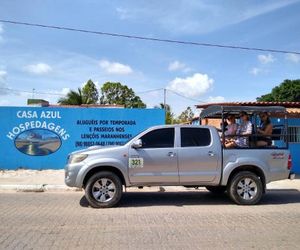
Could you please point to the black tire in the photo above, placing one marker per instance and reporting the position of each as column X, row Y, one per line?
column 103, row 190
column 245, row 188
column 218, row 190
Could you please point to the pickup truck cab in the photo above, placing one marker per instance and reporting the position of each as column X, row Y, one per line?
column 185, row 155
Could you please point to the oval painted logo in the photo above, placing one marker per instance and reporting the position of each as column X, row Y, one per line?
column 38, row 142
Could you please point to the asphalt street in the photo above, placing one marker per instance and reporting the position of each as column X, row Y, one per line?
column 149, row 220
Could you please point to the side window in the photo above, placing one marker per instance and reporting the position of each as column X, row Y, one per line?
column 159, row 138
column 195, row 137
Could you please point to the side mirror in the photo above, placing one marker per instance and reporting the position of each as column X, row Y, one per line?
column 137, row 144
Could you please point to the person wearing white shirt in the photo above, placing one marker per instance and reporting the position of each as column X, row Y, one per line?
column 245, row 128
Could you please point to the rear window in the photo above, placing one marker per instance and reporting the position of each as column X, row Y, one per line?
column 195, row 137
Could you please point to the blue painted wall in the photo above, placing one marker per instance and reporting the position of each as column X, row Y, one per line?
column 41, row 138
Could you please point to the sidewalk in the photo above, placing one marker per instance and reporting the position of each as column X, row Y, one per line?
column 53, row 180
column 33, row 180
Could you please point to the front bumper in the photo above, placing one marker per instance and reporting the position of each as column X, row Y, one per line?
column 292, row 176
column 71, row 174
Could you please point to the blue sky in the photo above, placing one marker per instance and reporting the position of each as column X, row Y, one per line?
column 53, row 61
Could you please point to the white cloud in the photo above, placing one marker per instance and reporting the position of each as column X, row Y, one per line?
column 293, row 58
column 263, row 67
column 255, row 71
column 265, row 59
column 50, row 95
column 61, row 92
column 266, row 7
column 176, row 66
column 4, row 102
column 2, row 75
column 115, row 67
column 3, row 85
column 192, row 86
column 71, row 69
column 38, row 69
column 194, row 16
column 124, row 13
column 216, row 99
column 64, row 91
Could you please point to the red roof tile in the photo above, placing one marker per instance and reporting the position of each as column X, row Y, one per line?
column 86, row 106
column 284, row 104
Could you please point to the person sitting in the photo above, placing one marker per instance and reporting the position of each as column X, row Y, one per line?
column 265, row 130
column 231, row 129
column 245, row 128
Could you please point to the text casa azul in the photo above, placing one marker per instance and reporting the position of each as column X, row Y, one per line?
column 34, row 114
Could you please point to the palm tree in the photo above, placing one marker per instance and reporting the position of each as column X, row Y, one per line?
column 169, row 116
column 74, row 98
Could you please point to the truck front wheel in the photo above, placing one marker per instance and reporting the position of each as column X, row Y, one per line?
column 245, row 188
column 103, row 190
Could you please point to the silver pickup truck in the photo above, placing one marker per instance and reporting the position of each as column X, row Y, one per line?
column 185, row 155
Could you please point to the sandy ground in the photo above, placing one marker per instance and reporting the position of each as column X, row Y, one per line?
column 32, row 177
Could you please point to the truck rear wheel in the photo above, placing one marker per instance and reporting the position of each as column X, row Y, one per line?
column 103, row 190
column 245, row 188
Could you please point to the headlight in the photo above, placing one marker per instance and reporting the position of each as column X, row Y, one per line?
column 77, row 158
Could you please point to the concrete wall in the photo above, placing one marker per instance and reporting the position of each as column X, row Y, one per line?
column 41, row 138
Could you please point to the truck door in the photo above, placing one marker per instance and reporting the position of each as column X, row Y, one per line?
column 199, row 157
column 155, row 161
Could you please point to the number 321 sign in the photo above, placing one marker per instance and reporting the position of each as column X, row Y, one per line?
column 136, row 162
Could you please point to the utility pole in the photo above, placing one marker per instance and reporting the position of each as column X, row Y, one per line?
column 165, row 102
column 33, row 93
column 165, row 98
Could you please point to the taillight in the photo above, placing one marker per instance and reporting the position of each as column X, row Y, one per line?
column 289, row 166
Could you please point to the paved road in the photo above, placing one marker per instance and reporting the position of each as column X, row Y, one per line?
column 149, row 220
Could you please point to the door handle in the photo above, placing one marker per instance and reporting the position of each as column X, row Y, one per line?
column 211, row 153
column 171, row 154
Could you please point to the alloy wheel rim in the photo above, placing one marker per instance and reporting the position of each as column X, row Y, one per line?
column 104, row 190
column 247, row 188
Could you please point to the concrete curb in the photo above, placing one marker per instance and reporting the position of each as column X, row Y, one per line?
column 280, row 185
column 36, row 188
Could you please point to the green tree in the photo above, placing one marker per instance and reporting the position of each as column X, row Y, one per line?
column 116, row 93
column 90, row 92
column 287, row 91
column 185, row 116
column 169, row 117
column 73, row 98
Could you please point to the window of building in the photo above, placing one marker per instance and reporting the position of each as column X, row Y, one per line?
column 195, row 137
column 294, row 134
column 159, row 138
